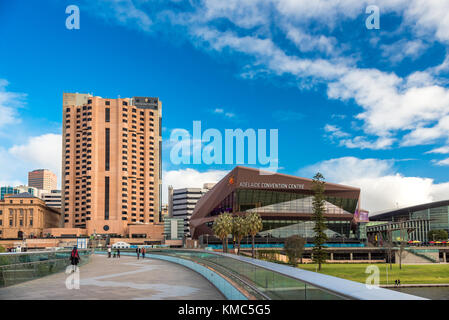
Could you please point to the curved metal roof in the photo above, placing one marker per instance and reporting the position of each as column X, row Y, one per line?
column 393, row 212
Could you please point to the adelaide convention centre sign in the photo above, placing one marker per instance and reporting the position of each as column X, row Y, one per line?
column 266, row 185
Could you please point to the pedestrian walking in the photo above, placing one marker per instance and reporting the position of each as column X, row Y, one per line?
column 143, row 252
column 118, row 253
column 74, row 258
column 109, row 252
column 138, row 253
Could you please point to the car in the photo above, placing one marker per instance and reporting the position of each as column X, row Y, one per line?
column 121, row 245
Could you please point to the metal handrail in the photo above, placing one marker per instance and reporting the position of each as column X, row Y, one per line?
column 241, row 280
column 341, row 287
column 40, row 252
column 222, row 270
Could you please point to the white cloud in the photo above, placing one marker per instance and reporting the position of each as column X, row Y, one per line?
column 9, row 102
column 222, row 112
column 392, row 106
column 441, row 150
column 361, row 142
column 389, row 105
column 123, row 12
column 339, row 169
column 188, row 178
column 43, row 151
column 444, row 162
column 381, row 187
column 427, row 135
column 338, row 116
column 401, row 49
column 335, row 131
column 11, row 173
column 306, row 42
column 426, row 18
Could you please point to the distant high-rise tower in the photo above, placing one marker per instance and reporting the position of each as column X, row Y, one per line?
column 42, row 179
column 111, row 163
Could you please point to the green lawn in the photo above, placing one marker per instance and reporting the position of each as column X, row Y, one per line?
column 410, row 274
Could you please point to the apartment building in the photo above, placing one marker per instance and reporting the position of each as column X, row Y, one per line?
column 111, row 163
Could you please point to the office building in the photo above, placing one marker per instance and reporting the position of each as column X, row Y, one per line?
column 52, row 199
column 5, row 190
column 170, row 202
column 111, row 173
column 27, row 189
column 182, row 203
column 42, row 179
column 164, row 212
column 284, row 202
column 174, row 229
column 174, row 232
column 417, row 220
column 24, row 215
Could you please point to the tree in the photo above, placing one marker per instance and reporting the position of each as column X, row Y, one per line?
column 222, row 227
column 437, row 235
column 2, row 249
column 294, row 247
column 240, row 230
column 319, row 208
column 254, row 223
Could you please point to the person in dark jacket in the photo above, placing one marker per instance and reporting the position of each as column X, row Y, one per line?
column 74, row 258
column 118, row 253
column 138, row 253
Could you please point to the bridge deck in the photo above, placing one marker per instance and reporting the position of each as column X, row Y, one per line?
column 124, row 278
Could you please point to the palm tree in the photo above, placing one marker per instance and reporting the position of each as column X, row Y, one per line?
column 254, row 223
column 240, row 230
column 222, row 227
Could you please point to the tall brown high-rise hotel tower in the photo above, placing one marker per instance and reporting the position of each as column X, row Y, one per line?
column 111, row 163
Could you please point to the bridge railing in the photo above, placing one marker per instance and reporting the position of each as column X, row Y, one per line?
column 24, row 266
column 267, row 280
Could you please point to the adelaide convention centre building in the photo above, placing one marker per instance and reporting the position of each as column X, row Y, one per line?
column 284, row 203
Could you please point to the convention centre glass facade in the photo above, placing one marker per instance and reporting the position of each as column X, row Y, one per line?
column 420, row 219
column 268, row 201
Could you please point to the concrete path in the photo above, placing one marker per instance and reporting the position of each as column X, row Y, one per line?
column 125, row 278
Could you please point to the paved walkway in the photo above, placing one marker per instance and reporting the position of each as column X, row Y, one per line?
column 124, row 278
column 416, row 285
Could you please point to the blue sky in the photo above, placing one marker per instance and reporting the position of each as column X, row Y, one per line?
column 369, row 108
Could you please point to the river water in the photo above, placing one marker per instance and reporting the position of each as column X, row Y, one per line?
column 434, row 293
